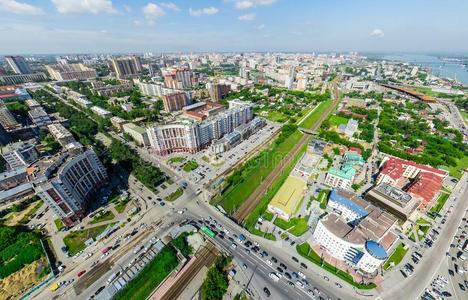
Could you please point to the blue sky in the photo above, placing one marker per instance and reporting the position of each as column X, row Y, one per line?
column 83, row 26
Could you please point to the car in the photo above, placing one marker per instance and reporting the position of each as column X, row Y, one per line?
column 283, row 266
column 162, row 203
column 279, row 270
column 287, row 275
column 80, row 273
column 245, row 266
column 290, row 283
column 99, row 290
column 299, row 284
column 273, row 259
column 233, row 245
column 302, row 275
column 295, row 275
column 295, row 259
column 267, row 291
column 303, row 265
column 269, row 262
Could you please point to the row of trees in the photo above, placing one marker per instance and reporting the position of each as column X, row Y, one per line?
column 85, row 129
column 216, row 282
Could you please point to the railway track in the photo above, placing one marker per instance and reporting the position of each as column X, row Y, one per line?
column 254, row 199
column 206, row 257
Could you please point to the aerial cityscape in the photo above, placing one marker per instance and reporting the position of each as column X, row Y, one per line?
column 233, row 149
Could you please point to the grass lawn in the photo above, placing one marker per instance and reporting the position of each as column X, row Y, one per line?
column 276, row 116
column 59, row 224
column 323, row 198
column 102, row 217
column 75, row 240
column 313, row 117
column 465, row 115
column 337, row 120
column 396, row 257
column 295, row 226
column 151, row 276
column 176, row 159
column 457, row 171
column 306, row 251
column 190, row 166
column 439, row 203
column 267, row 216
column 266, row 235
column 120, row 207
column 300, row 228
column 175, row 195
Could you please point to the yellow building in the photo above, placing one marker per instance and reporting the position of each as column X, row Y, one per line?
column 285, row 201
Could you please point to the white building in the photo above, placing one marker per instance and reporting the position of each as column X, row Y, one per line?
column 101, row 111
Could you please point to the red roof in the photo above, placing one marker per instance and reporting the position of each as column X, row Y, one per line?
column 397, row 166
column 426, row 186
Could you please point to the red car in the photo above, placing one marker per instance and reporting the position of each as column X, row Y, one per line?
column 81, row 273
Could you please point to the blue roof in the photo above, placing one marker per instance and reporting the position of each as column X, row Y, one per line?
column 360, row 211
column 376, row 250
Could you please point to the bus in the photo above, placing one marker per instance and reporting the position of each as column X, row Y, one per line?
column 208, row 231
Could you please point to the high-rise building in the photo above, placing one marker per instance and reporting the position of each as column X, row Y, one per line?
column 175, row 101
column 68, row 182
column 217, row 90
column 70, row 72
column 127, row 67
column 154, row 69
column 18, row 64
column 178, row 78
column 193, row 137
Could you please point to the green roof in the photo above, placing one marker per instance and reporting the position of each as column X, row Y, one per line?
column 346, row 172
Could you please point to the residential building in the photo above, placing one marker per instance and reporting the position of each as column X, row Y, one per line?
column 217, row 90
column 127, row 67
column 178, row 78
column 102, row 89
column 7, row 120
column 20, row 154
column 12, row 92
column 139, row 134
column 22, row 78
column 18, row 64
column 68, row 182
column 101, row 111
column 61, row 134
column 194, row 136
column 175, row 101
column 63, row 72
column 39, row 117
column 118, row 123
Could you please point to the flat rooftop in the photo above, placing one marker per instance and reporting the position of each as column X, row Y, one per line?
column 289, row 195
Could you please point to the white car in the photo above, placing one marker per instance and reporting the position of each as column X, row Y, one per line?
column 269, row 262
column 299, row 284
column 301, row 275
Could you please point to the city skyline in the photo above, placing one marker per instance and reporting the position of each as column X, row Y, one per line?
column 112, row 26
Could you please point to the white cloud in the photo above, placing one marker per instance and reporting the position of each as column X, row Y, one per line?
column 170, row 6
column 136, row 22
column 152, row 12
column 377, row 33
column 244, row 4
column 247, row 17
column 84, row 6
column 207, row 11
column 19, row 8
column 260, row 27
column 127, row 8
